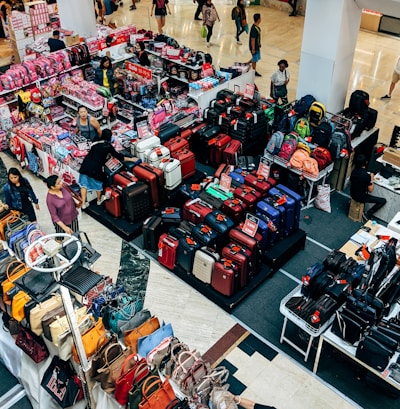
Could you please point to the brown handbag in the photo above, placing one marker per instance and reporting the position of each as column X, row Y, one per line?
column 17, row 305
column 99, row 359
column 131, row 337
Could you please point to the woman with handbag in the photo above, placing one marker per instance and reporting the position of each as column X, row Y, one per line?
column 210, row 16
column 240, row 20
column 20, row 195
column 279, row 81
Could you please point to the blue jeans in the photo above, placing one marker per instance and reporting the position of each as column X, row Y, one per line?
column 239, row 28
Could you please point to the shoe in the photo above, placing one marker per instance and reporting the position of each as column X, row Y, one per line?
column 132, row 8
column 238, row 43
column 198, row 19
column 386, row 97
column 258, row 74
column 85, row 206
column 99, row 202
column 293, row 14
column 208, row 45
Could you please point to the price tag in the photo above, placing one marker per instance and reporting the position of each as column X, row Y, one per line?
column 263, row 169
column 250, row 225
column 143, row 130
column 249, row 92
column 225, row 182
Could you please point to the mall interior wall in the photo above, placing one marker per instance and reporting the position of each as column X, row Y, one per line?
column 78, row 16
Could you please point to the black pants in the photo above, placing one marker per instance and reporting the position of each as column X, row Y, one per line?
column 378, row 203
column 293, row 5
column 200, row 5
column 209, row 32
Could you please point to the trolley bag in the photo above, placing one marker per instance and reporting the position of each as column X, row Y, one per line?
column 196, row 210
column 186, row 134
column 274, row 215
column 171, row 215
column 247, row 163
column 263, row 229
column 111, row 168
column 359, row 102
column 212, row 200
column 286, row 226
column 154, row 177
column 273, row 235
column 237, row 177
column 167, row 248
column 205, row 235
column 222, row 224
column 186, row 252
column 234, row 209
column 290, row 206
column 232, row 152
column 216, row 148
column 152, row 231
column 203, row 264
column 200, row 144
column 187, row 160
column 258, row 182
column 223, row 168
column 225, row 277
column 155, row 155
column 113, row 201
column 297, row 199
column 247, row 196
column 124, row 179
column 242, row 257
column 189, row 192
column 136, row 202
column 168, row 131
column 145, row 144
column 176, row 144
column 172, row 172
column 214, row 190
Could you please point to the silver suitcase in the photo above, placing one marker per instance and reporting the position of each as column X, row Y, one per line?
column 172, row 173
column 203, row 264
column 144, row 145
column 155, row 155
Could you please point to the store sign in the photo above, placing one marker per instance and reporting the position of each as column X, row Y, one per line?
column 139, row 70
column 121, row 39
column 225, row 182
column 250, row 225
column 249, row 92
column 264, row 168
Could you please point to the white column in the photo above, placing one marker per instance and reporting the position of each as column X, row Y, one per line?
column 329, row 40
column 79, row 16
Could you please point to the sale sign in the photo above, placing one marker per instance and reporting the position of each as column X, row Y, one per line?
column 139, row 70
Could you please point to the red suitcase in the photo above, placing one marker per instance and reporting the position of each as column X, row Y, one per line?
column 248, row 197
column 154, row 177
column 232, row 152
column 257, row 182
column 167, row 248
column 188, row 164
column 234, row 208
column 242, row 257
column 225, row 277
column 113, row 201
column 124, row 179
column 186, row 133
column 176, row 144
column 216, row 147
column 196, row 210
column 223, row 168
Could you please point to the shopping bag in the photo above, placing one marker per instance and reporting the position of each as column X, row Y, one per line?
column 203, row 32
column 323, row 199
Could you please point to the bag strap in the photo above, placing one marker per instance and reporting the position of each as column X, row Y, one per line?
column 15, row 270
column 149, row 384
column 127, row 360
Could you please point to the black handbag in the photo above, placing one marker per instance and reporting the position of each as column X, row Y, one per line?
column 37, row 284
column 80, row 279
column 347, row 327
column 383, row 338
column 373, row 353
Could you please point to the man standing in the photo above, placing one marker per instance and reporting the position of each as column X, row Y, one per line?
column 255, row 42
column 55, row 43
column 293, row 5
column 200, row 4
column 395, row 80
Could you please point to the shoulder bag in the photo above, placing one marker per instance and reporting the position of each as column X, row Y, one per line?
column 99, row 358
column 14, row 271
column 221, row 398
column 131, row 338
column 38, row 312
column 31, row 344
column 17, row 305
column 149, row 342
column 158, row 399
column 280, row 90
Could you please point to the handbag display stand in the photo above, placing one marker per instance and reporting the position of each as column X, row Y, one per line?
column 53, row 255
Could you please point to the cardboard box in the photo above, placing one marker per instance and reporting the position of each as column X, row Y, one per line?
column 370, row 21
column 392, row 156
column 356, row 211
column 72, row 40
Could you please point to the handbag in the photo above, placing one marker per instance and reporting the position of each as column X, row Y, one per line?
column 37, row 284
column 196, row 372
column 221, row 398
column 31, row 344
column 138, row 319
column 158, row 399
column 148, row 327
column 39, row 310
column 217, row 377
column 99, row 359
column 61, row 383
column 15, row 269
column 185, row 361
column 280, row 91
column 149, row 342
column 136, row 394
column 49, row 317
column 203, row 31
column 17, row 305
column 168, row 363
column 161, row 351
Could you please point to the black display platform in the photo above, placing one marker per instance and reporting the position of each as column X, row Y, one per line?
column 284, row 250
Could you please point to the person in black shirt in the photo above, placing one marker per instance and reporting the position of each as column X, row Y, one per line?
column 361, row 185
column 142, row 54
column 55, row 43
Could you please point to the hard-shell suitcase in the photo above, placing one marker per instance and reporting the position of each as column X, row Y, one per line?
column 273, row 214
column 152, row 231
column 247, row 163
column 215, row 190
column 237, row 177
column 232, row 152
column 216, row 147
column 184, row 229
column 115, row 167
column 286, row 223
column 263, row 230
column 167, row 248
column 189, row 192
column 133, row 143
column 223, row 168
column 176, row 144
column 234, row 209
column 145, row 144
column 188, row 163
column 242, row 257
column 297, row 199
column 136, row 201
column 154, row 177
column 186, row 134
column 272, row 235
column 124, row 179
column 200, row 144
column 186, row 252
column 172, row 173
column 156, row 154
column 171, row 215
column 248, row 197
column 168, row 131
column 222, row 224
column 258, row 182
column 225, row 277
column 113, row 201
column 205, row 235
column 196, row 210
column 292, row 218
column 203, row 264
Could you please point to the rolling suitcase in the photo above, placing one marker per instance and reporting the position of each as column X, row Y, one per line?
column 205, row 235
column 113, row 202
column 172, row 173
column 203, row 264
column 292, row 218
column 196, row 210
column 167, row 248
column 186, row 252
column 176, row 144
column 242, row 257
column 188, row 164
column 171, row 215
column 200, row 144
column 225, row 277
column 262, row 229
column 145, row 144
column 285, row 223
column 273, row 214
column 155, row 155
column 232, row 152
column 152, row 231
column 216, row 148
column 222, row 224
column 272, row 235
column 237, row 177
column 248, row 197
column 223, row 168
column 234, row 209
column 111, row 168
column 124, row 179
column 136, row 201
column 154, row 177
column 258, row 182
column 168, row 131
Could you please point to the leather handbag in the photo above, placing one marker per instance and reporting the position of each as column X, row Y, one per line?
column 185, row 361
column 49, row 317
column 60, row 324
column 31, row 344
column 132, row 371
column 135, row 394
column 37, row 313
column 17, row 305
column 158, row 399
column 99, row 359
column 149, row 342
column 37, row 284
column 148, row 327
column 221, row 398
column 193, row 376
column 14, row 271
column 138, row 319
column 90, row 340
column 161, row 352
column 374, row 353
column 202, row 390
column 168, row 363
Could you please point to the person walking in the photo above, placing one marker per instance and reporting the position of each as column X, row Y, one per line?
column 108, row 8
column 86, row 125
column 255, row 42
column 133, row 6
column 293, row 5
column 240, row 20
column 279, row 81
column 199, row 9
column 395, row 80
column 19, row 194
column 104, row 74
column 210, row 16
column 62, row 207
column 160, row 9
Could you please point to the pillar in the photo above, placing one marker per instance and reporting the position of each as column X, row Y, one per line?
column 79, row 16
column 329, row 40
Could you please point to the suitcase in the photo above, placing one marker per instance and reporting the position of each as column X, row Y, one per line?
column 234, row 209
column 372, row 116
column 152, row 231
column 242, row 257
column 216, row 148
column 113, row 201
column 186, row 134
column 172, row 173
column 196, row 210
column 225, row 277
column 156, row 154
column 222, row 224
column 272, row 235
column 203, row 264
column 154, row 177
column 133, row 143
column 171, row 215
column 205, row 235
column 237, row 177
column 247, row 163
column 186, row 252
column 223, row 168
column 247, row 196
column 176, row 144
column 167, row 248
column 214, row 190
column 168, row 131
column 263, row 230
column 286, row 223
column 258, row 182
column 189, row 192
column 145, row 144
column 124, row 179
column 232, row 152
column 136, row 201
column 200, row 143
column 182, row 230
column 188, row 164
column 292, row 217
column 114, row 168
column 274, row 215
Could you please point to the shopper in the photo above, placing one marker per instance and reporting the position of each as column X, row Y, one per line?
column 240, row 20
column 62, row 207
column 249, row 404
column 142, row 54
column 86, row 125
column 255, row 42
column 293, row 5
column 108, row 7
column 133, row 7
column 160, row 8
column 279, row 81
column 104, row 74
column 5, row 10
column 55, row 44
column 19, row 194
column 99, row 11
column 362, row 184
column 199, row 9
column 395, row 80
column 210, row 16
column 91, row 173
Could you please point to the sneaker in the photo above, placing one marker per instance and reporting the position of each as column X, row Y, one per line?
column 258, row 74
column 238, row 43
column 85, row 206
column 99, row 202
column 386, row 97
column 132, row 8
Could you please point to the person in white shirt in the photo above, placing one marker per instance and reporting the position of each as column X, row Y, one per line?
column 279, row 81
column 395, row 80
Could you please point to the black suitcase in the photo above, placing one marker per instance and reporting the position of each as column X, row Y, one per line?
column 136, row 201
column 168, row 131
column 152, row 229
column 202, row 151
column 372, row 116
column 186, row 251
column 359, row 102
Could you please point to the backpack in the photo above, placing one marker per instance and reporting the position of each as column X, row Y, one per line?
column 289, row 145
column 316, row 113
column 322, row 134
column 302, row 127
column 337, row 143
column 302, row 105
column 298, row 157
column 275, row 143
column 310, row 166
column 234, row 13
column 322, row 156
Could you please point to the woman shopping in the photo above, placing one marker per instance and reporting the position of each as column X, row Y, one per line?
column 210, row 16
column 160, row 8
column 104, row 75
column 240, row 20
column 86, row 125
column 20, row 195
column 279, row 80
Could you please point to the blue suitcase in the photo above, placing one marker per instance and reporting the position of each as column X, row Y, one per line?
column 290, row 206
column 237, row 178
column 185, row 253
column 272, row 213
column 285, row 226
column 263, row 229
column 297, row 199
column 205, row 235
column 222, row 224
column 273, row 235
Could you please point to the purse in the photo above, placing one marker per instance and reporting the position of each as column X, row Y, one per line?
column 99, row 359
column 221, row 398
column 202, row 390
column 31, row 344
column 14, row 270
column 37, row 284
column 49, row 317
column 131, row 338
column 39, row 311
column 185, row 361
column 138, row 319
column 193, row 376
column 149, row 342
column 161, row 351
column 163, row 395
column 17, row 305
column 136, row 394
column 280, row 91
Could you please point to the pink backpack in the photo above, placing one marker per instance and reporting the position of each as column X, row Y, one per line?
column 298, row 158
column 288, row 147
column 310, row 167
